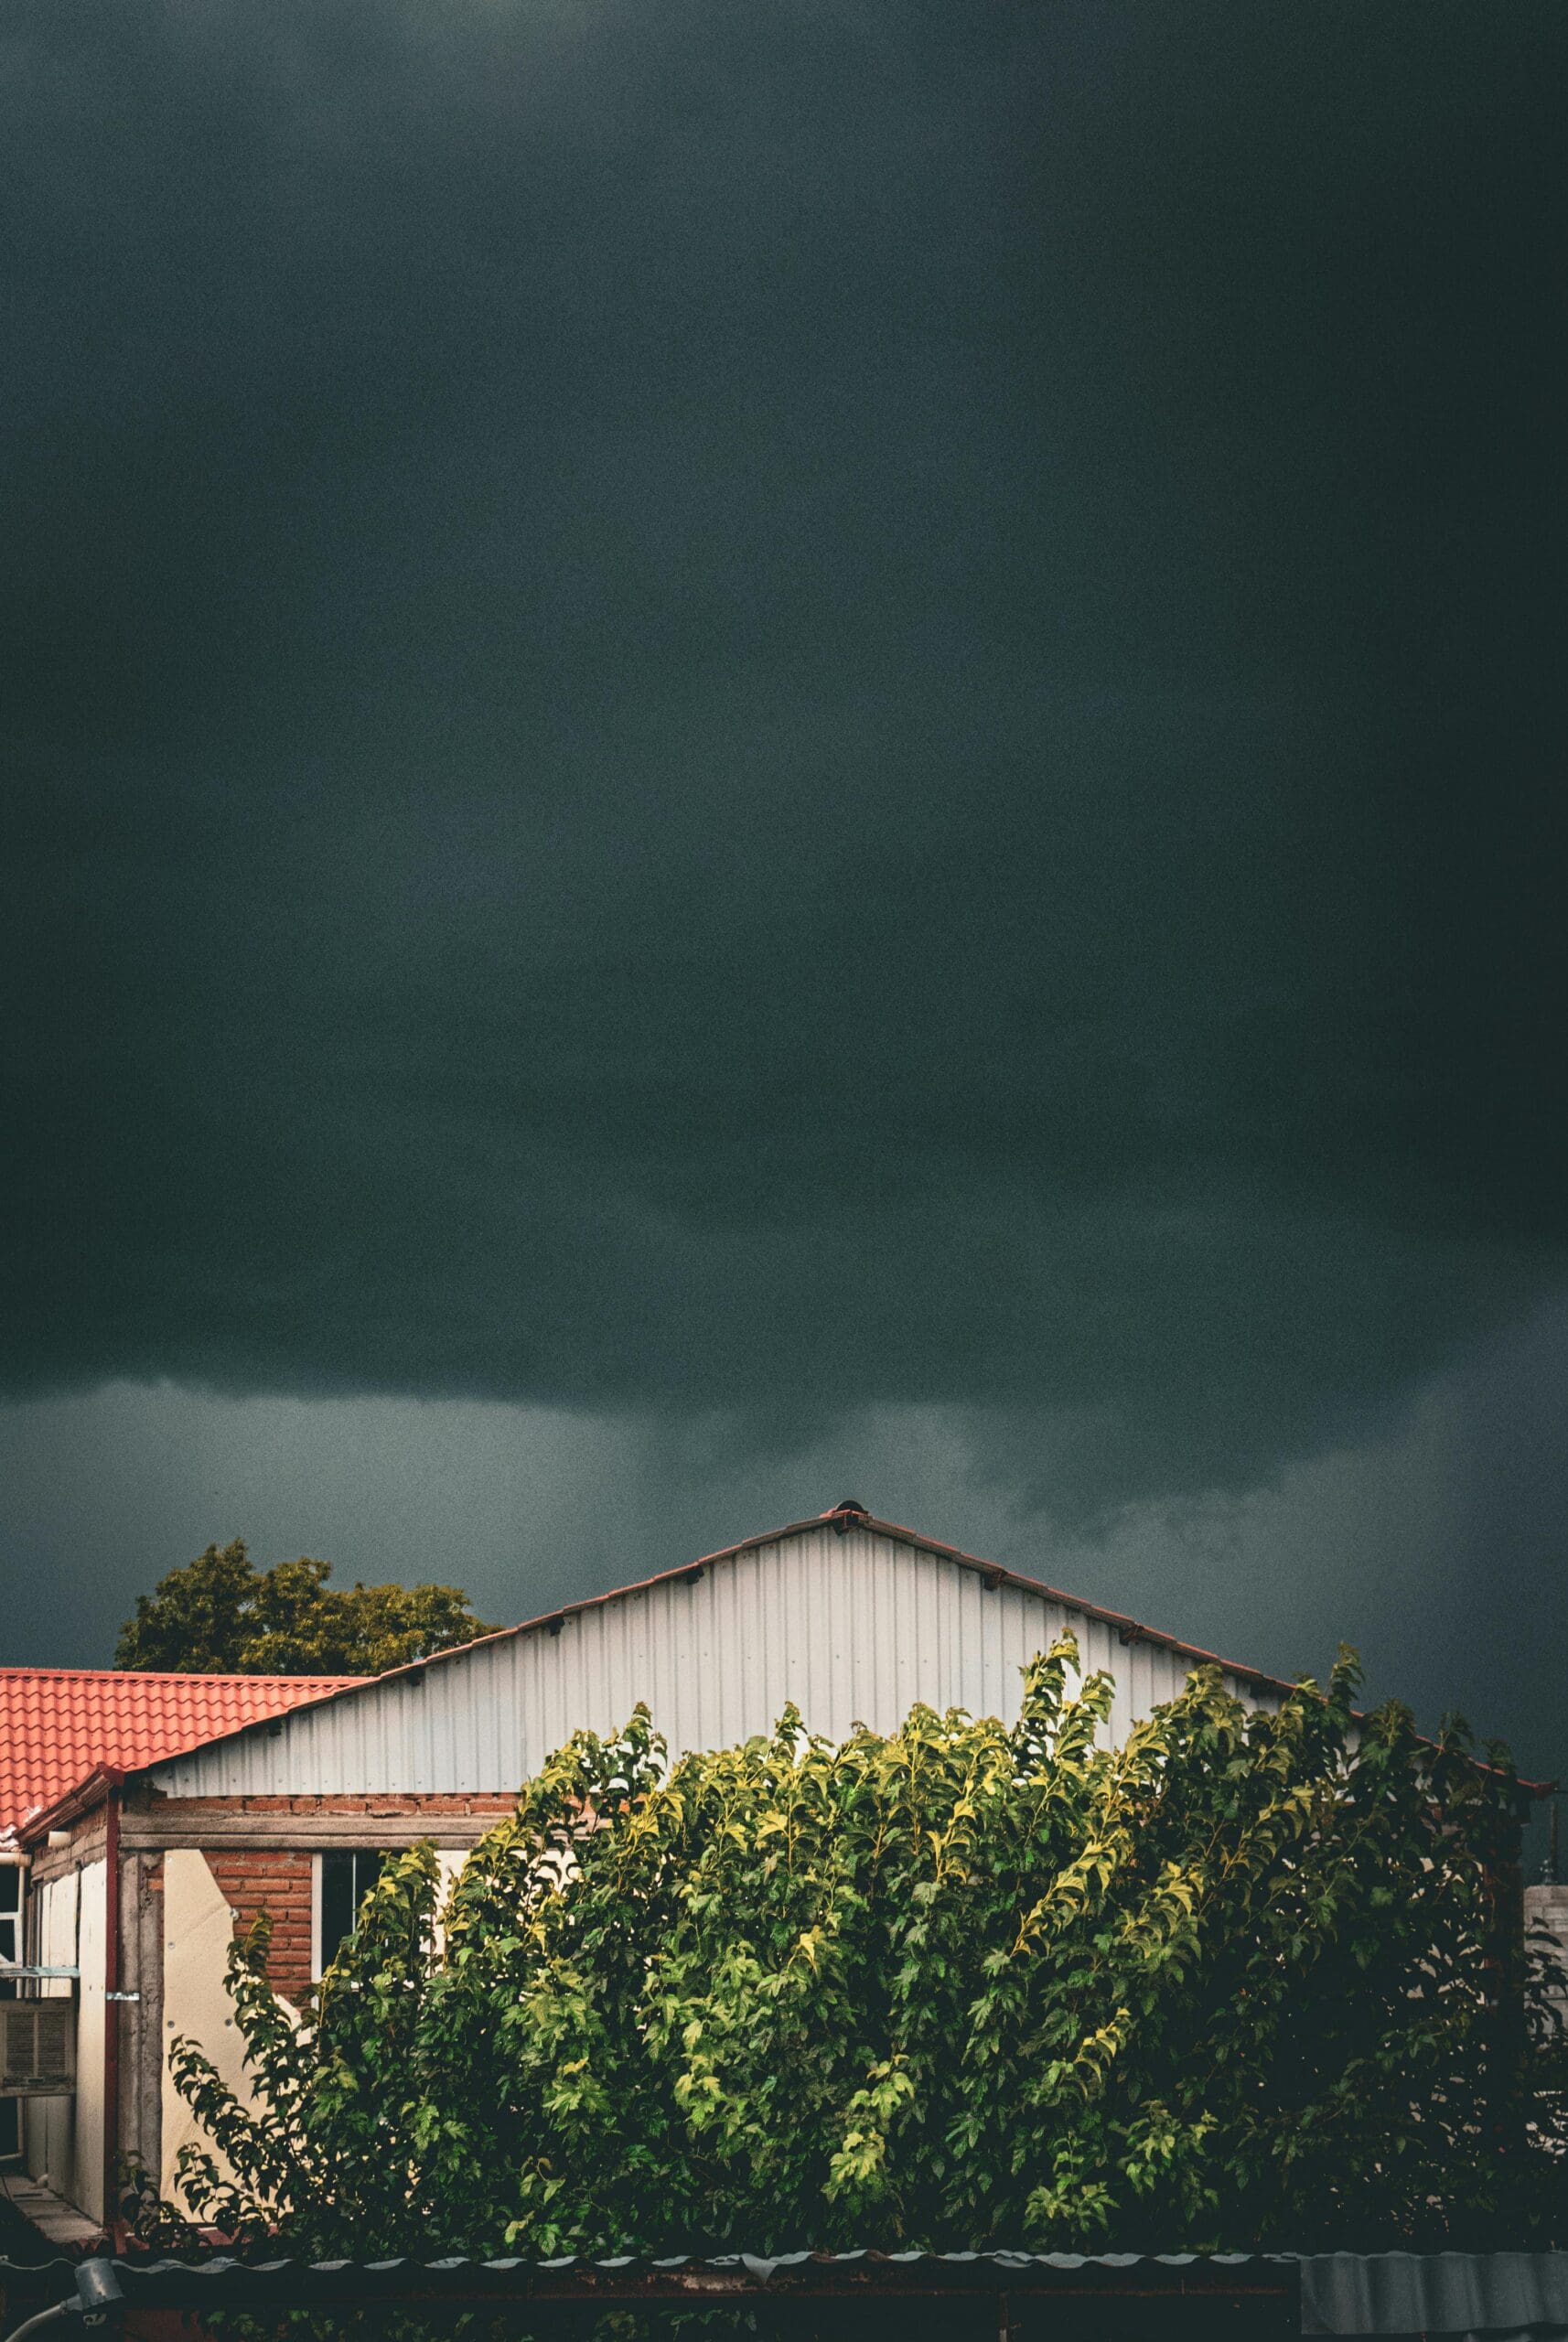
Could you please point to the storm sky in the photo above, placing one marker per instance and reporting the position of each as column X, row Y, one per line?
column 758, row 752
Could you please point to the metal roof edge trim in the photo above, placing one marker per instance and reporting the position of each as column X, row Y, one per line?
column 575, row 2274
column 225, row 2263
column 1404, row 2293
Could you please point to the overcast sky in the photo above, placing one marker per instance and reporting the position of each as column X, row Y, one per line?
column 765, row 752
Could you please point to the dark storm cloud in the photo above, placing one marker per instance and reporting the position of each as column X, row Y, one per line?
column 780, row 707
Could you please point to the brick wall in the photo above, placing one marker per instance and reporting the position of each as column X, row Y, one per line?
column 413, row 1804
column 278, row 1881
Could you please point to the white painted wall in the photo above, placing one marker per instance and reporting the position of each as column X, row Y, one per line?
column 50, row 2124
column 448, row 1864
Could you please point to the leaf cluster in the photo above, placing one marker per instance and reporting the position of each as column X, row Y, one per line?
column 220, row 1615
column 1242, row 1982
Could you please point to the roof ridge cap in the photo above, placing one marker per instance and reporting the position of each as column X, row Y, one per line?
column 170, row 1674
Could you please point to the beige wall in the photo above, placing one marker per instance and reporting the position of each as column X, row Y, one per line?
column 1549, row 1905
column 198, row 1927
column 86, row 2190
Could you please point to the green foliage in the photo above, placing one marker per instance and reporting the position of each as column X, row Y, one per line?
column 220, row 1616
column 1231, row 1984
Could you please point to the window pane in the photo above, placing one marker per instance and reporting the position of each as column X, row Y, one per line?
column 10, row 1933
column 337, row 1905
column 346, row 1880
column 367, row 1870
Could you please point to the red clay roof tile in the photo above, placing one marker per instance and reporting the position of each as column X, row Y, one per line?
column 59, row 1724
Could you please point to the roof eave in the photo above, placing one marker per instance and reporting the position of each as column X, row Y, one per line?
column 91, row 1790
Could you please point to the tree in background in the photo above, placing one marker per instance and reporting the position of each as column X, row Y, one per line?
column 1245, row 1981
column 220, row 1616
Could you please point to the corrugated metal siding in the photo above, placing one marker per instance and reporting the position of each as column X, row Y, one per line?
column 1498, row 2293
column 853, row 1628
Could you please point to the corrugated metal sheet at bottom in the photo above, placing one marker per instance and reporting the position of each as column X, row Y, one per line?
column 863, row 2276
column 1491, row 2296
column 1498, row 2294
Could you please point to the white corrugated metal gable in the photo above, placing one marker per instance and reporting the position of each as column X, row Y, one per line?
column 851, row 1618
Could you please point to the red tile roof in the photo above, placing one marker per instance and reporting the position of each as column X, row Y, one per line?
column 57, row 1725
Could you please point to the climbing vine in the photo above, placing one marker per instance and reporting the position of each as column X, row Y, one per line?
column 1244, row 1980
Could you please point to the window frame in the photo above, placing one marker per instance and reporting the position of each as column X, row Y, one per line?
column 356, row 1855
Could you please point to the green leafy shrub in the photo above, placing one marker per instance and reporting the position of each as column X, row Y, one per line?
column 1235, row 1984
column 220, row 1615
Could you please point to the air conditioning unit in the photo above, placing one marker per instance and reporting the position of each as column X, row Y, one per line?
column 37, row 2048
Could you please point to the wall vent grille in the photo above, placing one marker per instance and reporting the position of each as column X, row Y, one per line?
column 37, row 2048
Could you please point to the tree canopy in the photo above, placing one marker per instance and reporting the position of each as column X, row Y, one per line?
column 220, row 1615
column 1243, row 1981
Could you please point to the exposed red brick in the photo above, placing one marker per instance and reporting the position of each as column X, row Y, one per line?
column 279, row 1883
column 463, row 1803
